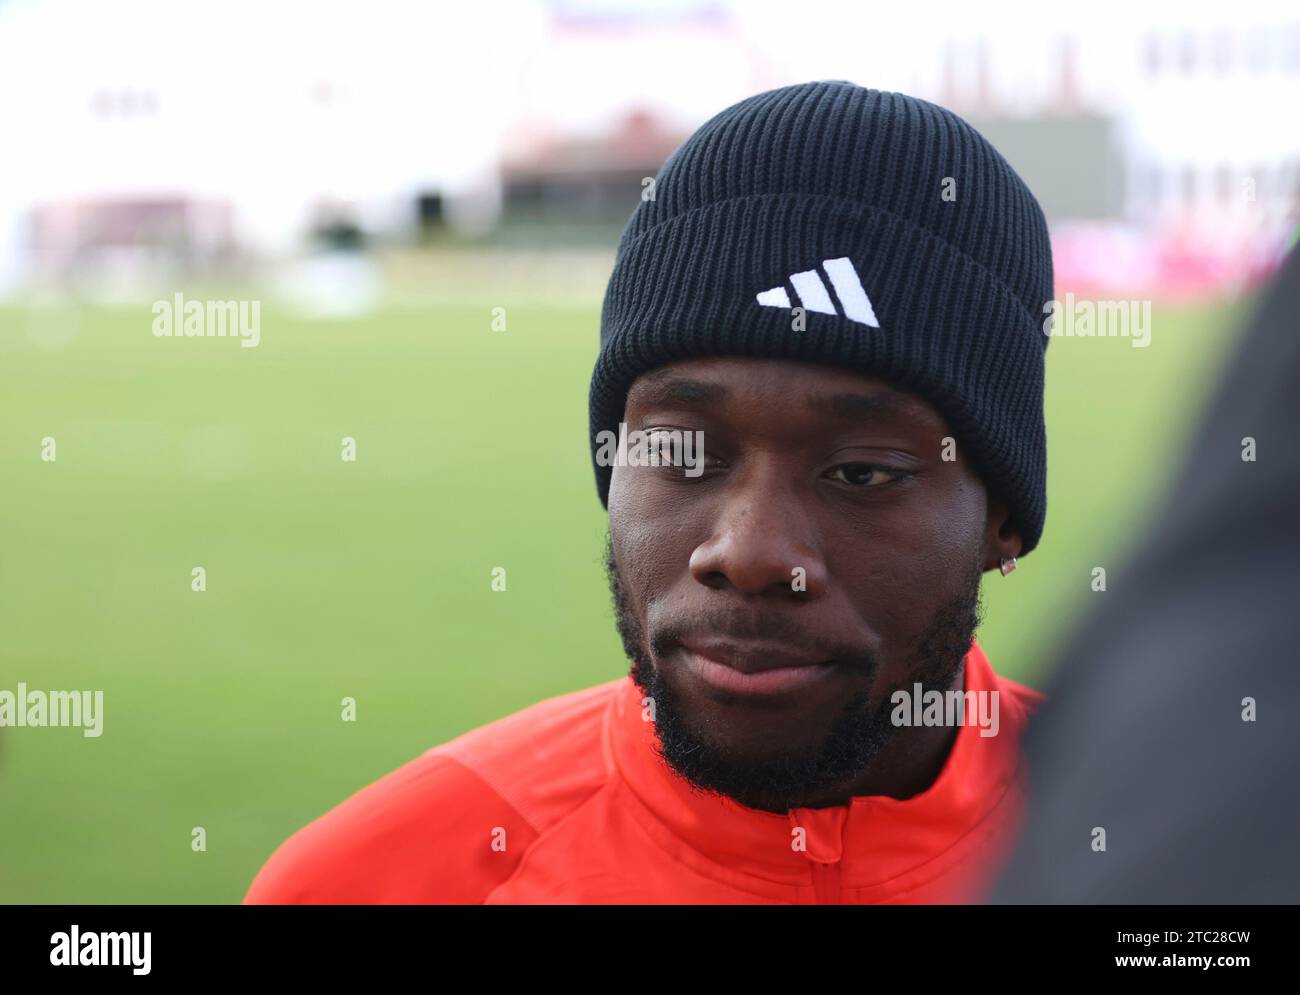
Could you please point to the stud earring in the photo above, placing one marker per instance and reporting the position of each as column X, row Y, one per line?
column 1008, row 564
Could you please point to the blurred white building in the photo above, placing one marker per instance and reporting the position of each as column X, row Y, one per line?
column 148, row 133
column 140, row 131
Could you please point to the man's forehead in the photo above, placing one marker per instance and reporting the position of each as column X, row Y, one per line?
column 828, row 390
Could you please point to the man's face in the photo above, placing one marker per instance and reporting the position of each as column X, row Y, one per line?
column 827, row 555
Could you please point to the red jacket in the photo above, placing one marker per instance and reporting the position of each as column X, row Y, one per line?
column 566, row 802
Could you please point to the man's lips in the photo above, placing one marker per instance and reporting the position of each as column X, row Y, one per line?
column 748, row 656
column 752, row 668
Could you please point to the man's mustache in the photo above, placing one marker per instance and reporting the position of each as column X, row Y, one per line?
column 740, row 624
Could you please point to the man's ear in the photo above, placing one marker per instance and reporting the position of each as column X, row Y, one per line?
column 1001, row 537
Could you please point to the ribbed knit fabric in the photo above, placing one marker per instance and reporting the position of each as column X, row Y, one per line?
column 786, row 179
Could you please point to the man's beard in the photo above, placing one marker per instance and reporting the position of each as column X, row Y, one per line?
column 784, row 778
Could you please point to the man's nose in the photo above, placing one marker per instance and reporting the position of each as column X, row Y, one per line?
column 762, row 541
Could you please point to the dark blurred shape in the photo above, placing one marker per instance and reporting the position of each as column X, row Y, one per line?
column 429, row 215
column 1142, row 733
column 339, row 234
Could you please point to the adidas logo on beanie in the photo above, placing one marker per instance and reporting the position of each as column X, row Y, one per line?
column 829, row 196
column 812, row 292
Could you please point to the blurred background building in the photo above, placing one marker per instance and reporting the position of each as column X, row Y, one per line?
column 145, row 138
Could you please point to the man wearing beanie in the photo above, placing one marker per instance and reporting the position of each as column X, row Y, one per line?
column 816, row 420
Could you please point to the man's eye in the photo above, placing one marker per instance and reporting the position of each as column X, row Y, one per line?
column 863, row 474
column 680, row 451
column 665, row 449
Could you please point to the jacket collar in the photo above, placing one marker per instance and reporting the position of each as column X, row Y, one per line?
column 873, row 837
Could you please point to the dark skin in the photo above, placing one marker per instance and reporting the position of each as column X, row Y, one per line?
column 837, row 473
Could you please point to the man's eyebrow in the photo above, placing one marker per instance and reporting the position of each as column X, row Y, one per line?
column 866, row 407
column 667, row 390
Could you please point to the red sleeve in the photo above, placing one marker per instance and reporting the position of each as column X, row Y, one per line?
column 432, row 831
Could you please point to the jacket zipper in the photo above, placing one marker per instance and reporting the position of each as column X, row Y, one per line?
column 826, row 883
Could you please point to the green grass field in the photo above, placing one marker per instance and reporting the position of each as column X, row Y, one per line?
column 371, row 579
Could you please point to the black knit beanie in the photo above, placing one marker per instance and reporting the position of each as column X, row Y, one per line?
column 917, row 253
